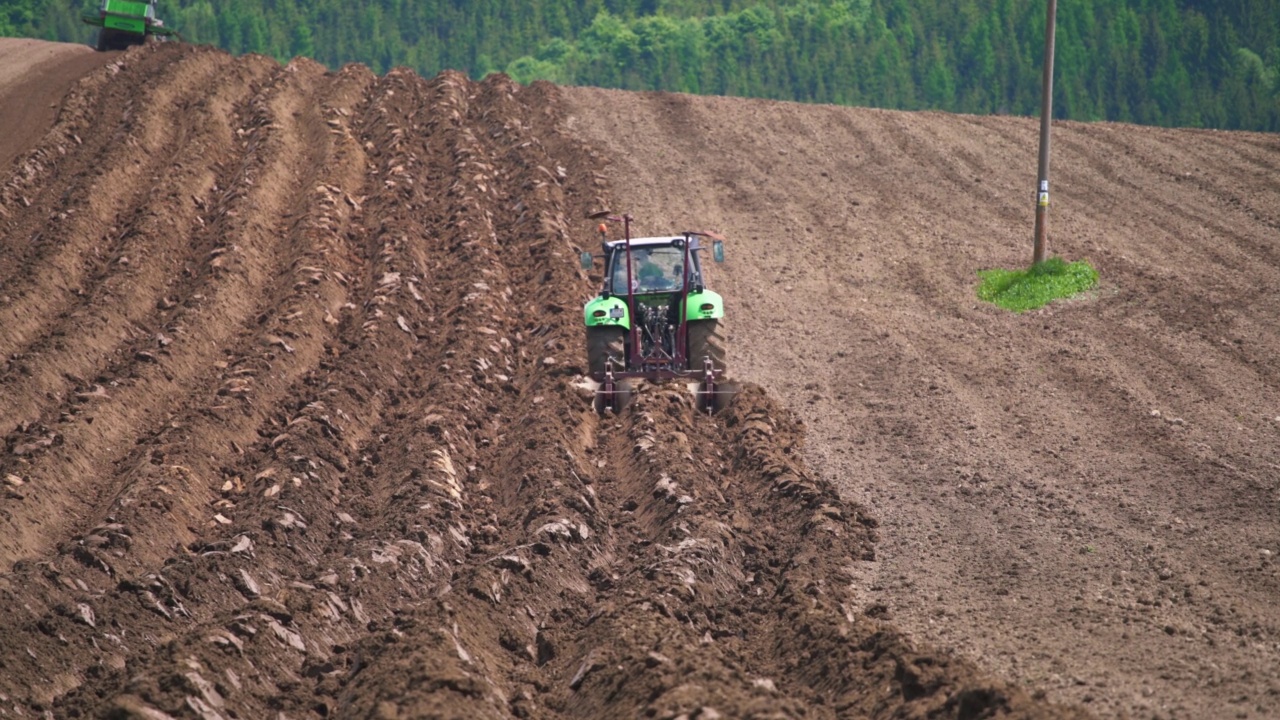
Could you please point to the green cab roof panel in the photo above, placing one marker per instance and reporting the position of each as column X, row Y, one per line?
column 128, row 8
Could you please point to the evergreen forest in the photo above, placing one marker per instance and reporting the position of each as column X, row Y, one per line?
column 1192, row 63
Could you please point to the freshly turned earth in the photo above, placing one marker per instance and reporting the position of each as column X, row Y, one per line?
column 1084, row 499
column 290, row 368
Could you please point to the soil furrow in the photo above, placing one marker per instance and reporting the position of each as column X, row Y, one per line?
column 377, row 454
column 68, row 256
column 213, row 319
column 165, row 479
column 50, row 439
column 71, row 146
column 128, row 297
column 268, row 346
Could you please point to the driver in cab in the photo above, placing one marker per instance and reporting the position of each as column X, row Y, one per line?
column 648, row 274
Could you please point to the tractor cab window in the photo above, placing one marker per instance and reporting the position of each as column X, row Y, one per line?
column 653, row 269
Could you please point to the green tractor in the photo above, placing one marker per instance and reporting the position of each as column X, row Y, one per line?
column 663, row 324
column 123, row 23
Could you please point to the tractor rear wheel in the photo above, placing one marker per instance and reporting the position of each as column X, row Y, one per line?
column 109, row 39
column 602, row 344
column 707, row 338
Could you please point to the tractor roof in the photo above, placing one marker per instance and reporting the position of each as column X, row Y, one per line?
column 649, row 242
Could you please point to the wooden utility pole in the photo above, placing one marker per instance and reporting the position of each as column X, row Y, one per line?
column 1040, row 246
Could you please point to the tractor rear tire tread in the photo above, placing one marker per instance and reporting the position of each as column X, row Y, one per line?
column 707, row 337
column 603, row 343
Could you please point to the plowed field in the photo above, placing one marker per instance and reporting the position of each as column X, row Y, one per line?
column 1084, row 499
column 287, row 384
column 289, row 367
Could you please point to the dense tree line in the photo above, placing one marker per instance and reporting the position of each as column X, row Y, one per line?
column 1201, row 63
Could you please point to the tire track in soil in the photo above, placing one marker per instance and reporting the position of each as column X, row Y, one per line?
column 360, row 480
column 1223, row 234
column 1169, row 217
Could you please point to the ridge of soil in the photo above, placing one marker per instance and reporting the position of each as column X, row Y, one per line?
column 292, row 427
column 1081, row 499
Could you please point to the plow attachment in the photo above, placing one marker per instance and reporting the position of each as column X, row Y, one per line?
column 711, row 392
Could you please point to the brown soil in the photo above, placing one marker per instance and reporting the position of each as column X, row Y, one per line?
column 1082, row 499
column 34, row 78
column 291, row 428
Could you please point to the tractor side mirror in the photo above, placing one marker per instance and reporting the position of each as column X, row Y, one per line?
column 586, row 260
column 717, row 250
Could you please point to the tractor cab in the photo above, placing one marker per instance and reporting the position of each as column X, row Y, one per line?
column 657, row 265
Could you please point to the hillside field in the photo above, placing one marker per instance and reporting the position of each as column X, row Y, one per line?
column 289, row 392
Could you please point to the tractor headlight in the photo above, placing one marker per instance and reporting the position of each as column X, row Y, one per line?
column 707, row 307
column 598, row 313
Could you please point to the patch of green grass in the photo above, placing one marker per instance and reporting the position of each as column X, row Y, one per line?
column 1037, row 286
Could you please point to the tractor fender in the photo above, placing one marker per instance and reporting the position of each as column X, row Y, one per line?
column 705, row 305
column 607, row 312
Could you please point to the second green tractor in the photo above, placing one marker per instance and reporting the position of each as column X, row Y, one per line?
column 122, row 23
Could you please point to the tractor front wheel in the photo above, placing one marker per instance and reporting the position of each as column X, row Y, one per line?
column 602, row 344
